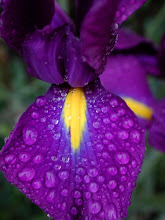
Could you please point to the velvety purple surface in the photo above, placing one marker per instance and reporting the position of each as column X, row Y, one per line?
column 126, row 77
column 96, row 181
column 126, row 8
column 43, row 55
column 78, row 72
column 98, row 33
column 19, row 19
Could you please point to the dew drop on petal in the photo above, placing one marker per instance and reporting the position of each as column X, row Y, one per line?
column 122, row 157
column 36, row 184
column 38, row 159
column 30, row 135
column 50, row 180
column 135, row 136
column 50, row 196
column 94, row 207
column 93, row 187
column 63, row 175
column 40, row 101
column 10, row 158
column 112, row 170
column 24, row 157
column 27, row 174
column 111, row 213
column 112, row 184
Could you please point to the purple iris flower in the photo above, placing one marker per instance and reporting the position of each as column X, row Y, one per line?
column 138, row 58
column 77, row 151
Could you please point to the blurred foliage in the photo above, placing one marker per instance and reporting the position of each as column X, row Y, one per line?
column 18, row 90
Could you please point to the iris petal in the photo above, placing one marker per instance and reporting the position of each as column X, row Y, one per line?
column 96, row 180
column 21, row 18
column 98, row 33
column 132, row 85
column 126, row 8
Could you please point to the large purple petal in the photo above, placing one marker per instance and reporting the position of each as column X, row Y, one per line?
column 131, row 43
column 126, row 77
column 78, row 72
column 21, row 18
column 95, row 181
column 126, row 8
column 43, row 54
column 98, row 33
column 128, row 39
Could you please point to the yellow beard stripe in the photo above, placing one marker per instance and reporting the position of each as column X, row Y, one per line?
column 74, row 114
column 141, row 110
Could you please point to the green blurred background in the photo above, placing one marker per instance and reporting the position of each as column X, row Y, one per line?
column 18, row 90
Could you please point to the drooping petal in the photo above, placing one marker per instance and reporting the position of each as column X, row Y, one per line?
column 20, row 18
column 78, row 72
column 131, row 43
column 128, row 39
column 98, row 33
column 126, row 77
column 126, row 8
column 44, row 54
column 76, row 153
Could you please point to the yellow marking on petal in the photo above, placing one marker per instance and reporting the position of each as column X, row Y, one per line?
column 74, row 114
column 140, row 109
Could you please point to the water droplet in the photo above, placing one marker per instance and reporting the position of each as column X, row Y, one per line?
column 77, row 194
column 10, row 158
column 64, row 192
column 93, row 187
column 111, row 147
column 100, row 179
column 112, row 170
column 122, row 188
column 111, row 213
column 30, row 135
column 27, row 174
column 96, row 124
column 87, row 179
column 122, row 157
column 93, row 172
column 74, row 211
column 24, row 157
column 63, row 175
column 36, row 184
column 123, row 170
column 87, row 195
column 109, row 136
column 112, row 184
column 128, row 123
column 34, row 114
column 40, row 101
column 95, row 207
column 38, row 159
column 114, row 102
column 134, row 163
column 56, row 136
column 135, row 136
column 123, row 135
column 50, row 196
column 50, row 180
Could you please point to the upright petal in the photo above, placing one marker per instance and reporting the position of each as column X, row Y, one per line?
column 98, row 33
column 132, row 85
column 76, row 153
column 44, row 55
column 126, row 8
column 20, row 18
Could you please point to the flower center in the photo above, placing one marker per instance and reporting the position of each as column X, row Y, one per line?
column 74, row 115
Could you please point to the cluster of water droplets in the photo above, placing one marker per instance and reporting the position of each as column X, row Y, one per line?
column 94, row 182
